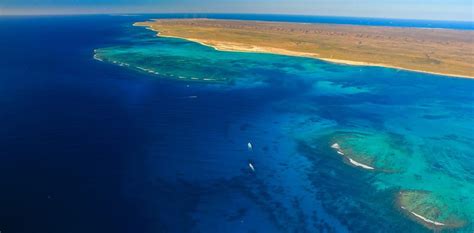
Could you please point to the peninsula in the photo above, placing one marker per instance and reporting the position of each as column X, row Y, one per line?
column 437, row 51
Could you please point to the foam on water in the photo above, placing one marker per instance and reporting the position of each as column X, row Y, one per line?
column 353, row 162
column 424, row 218
column 360, row 164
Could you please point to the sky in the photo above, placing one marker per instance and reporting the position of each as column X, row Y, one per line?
column 409, row 9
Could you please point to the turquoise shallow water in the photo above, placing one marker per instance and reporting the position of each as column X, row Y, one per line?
column 368, row 149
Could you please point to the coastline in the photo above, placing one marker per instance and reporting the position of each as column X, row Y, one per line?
column 234, row 47
column 423, row 220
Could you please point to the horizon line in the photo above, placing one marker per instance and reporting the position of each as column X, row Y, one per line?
column 219, row 13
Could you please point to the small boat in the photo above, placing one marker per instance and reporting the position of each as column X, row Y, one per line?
column 251, row 167
column 249, row 145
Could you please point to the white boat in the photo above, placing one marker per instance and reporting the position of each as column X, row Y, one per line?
column 251, row 167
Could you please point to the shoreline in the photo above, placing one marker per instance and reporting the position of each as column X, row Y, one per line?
column 230, row 47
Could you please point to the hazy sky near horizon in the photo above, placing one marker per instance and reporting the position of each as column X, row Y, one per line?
column 410, row 9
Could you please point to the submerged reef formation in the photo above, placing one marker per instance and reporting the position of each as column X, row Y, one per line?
column 370, row 151
column 427, row 209
column 432, row 198
column 385, row 146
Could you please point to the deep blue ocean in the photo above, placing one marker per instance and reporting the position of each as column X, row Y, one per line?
column 89, row 146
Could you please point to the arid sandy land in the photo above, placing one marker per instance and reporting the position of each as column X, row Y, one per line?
column 437, row 51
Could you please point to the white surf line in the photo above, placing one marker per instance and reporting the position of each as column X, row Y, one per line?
column 97, row 58
column 145, row 69
column 424, row 218
column 353, row 162
column 335, row 146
